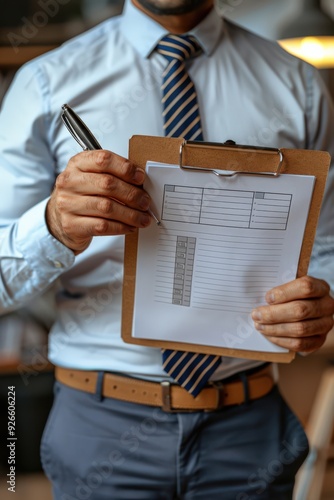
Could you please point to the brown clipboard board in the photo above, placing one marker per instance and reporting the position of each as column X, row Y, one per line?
column 231, row 157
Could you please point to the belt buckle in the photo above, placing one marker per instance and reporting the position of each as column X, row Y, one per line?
column 166, row 397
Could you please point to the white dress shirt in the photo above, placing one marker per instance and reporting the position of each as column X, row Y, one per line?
column 249, row 90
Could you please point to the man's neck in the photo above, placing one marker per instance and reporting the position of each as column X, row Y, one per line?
column 182, row 23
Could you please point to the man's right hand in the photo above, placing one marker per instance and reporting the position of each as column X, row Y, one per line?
column 98, row 194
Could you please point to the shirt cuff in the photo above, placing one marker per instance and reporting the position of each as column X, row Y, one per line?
column 322, row 260
column 44, row 253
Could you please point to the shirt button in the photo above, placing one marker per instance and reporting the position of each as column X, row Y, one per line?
column 57, row 264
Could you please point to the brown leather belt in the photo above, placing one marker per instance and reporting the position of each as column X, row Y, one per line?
column 168, row 396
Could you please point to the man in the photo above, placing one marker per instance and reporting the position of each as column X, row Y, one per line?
column 107, row 435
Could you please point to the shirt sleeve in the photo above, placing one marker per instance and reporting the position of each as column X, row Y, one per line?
column 30, row 258
column 320, row 111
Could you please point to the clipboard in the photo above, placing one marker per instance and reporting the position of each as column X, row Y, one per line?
column 222, row 159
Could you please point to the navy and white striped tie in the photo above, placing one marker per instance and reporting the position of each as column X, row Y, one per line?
column 182, row 119
column 179, row 99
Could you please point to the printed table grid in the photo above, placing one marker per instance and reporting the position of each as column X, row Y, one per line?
column 226, row 207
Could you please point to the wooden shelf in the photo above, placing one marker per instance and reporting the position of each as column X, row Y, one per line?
column 11, row 59
column 14, row 366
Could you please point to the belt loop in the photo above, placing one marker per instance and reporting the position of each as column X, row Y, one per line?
column 99, row 386
column 244, row 380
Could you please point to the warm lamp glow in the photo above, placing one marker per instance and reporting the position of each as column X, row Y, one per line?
column 318, row 51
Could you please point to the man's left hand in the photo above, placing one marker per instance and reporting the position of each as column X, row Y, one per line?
column 299, row 315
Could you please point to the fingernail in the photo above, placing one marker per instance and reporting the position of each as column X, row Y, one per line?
column 270, row 297
column 145, row 220
column 256, row 315
column 258, row 326
column 139, row 176
column 144, row 202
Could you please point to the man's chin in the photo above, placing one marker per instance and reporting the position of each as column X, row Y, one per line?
column 162, row 8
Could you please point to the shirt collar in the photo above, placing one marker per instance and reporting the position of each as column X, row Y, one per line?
column 144, row 33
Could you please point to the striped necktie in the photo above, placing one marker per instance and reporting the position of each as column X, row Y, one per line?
column 179, row 99
column 182, row 119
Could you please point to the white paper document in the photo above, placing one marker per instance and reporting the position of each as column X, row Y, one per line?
column 221, row 245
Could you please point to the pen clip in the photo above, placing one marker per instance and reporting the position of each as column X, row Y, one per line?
column 73, row 133
column 78, row 129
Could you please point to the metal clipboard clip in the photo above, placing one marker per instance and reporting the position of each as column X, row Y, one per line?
column 231, row 144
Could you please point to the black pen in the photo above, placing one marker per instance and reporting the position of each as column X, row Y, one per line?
column 84, row 137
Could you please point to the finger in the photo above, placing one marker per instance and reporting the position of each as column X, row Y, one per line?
column 297, row 310
column 307, row 344
column 103, row 208
column 88, row 227
column 306, row 287
column 109, row 208
column 104, row 185
column 108, row 162
column 300, row 329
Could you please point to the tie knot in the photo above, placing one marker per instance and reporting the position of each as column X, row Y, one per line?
column 179, row 47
